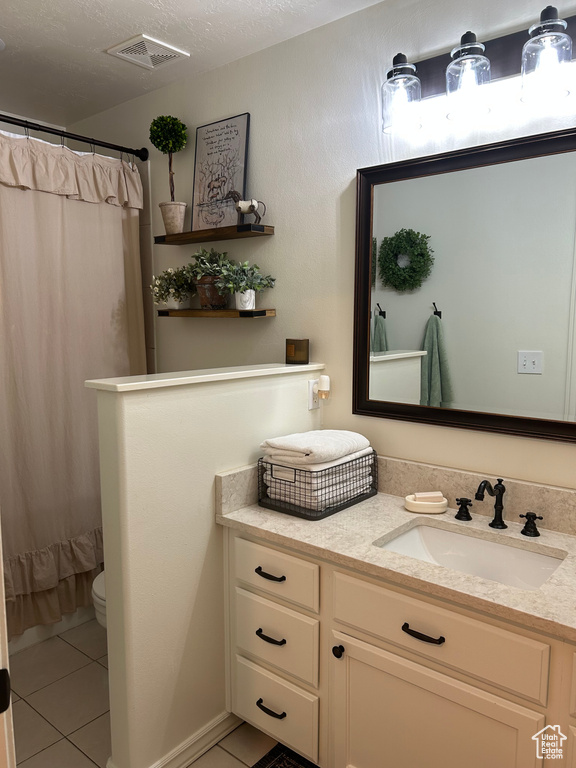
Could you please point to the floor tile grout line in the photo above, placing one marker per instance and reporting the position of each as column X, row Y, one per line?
column 221, row 745
column 41, row 750
column 90, row 661
column 88, row 723
column 78, row 649
column 45, row 720
column 80, row 749
column 64, row 735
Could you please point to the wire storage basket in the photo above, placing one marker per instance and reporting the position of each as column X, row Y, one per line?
column 316, row 494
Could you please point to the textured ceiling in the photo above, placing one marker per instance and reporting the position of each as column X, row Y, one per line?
column 55, row 68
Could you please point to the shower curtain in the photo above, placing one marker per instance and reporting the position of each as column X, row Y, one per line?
column 70, row 310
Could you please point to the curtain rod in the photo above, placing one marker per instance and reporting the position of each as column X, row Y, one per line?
column 141, row 154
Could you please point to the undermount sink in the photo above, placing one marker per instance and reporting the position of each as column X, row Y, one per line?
column 466, row 552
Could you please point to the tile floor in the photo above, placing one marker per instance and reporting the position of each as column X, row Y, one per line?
column 60, row 701
column 60, row 708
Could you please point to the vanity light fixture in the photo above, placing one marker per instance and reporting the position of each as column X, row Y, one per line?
column 545, row 59
column 468, row 71
column 401, row 97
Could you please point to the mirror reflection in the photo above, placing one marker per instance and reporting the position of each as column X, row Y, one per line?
column 503, row 278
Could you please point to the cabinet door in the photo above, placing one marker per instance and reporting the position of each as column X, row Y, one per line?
column 388, row 712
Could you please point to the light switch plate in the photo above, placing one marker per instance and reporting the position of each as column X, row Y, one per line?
column 530, row 361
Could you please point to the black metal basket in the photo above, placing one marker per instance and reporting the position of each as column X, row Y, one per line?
column 314, row 495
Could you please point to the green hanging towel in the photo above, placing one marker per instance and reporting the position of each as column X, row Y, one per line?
column 379, row 338
column 436, row 388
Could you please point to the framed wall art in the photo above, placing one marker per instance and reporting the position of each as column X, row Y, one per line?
column 219, row 168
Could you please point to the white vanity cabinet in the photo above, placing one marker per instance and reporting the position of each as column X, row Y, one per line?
column 375, row 676
column 389, row 711
column 422, row 716
column 274, row 643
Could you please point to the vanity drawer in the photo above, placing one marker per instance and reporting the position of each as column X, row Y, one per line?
column 278, row 574
column 298, row 654
column 297, row 726
column 509, row 661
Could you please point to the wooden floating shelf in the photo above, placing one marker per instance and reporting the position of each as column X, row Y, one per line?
column 211, row 235
column 213, row 313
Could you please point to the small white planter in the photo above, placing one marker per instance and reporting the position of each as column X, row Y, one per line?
column 173, row 304
column 246, row 300
column 173, row 217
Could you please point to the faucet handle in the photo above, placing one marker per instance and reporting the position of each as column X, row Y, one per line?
column 530, row 528
column 463, row 512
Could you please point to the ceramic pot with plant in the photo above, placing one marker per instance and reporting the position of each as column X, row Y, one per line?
column 173, row 288
column 244, row 280
column 205, row 271
column 168, row 135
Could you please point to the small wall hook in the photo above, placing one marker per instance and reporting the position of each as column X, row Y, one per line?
column 381, row 311
column 436, row 310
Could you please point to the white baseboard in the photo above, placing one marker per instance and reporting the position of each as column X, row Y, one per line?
column 39, row 633
column 191, row 749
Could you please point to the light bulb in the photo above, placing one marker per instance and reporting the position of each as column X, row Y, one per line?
column 545, row 59
column 401, row 97
column 468, row 71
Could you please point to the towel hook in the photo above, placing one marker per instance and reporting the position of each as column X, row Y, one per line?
column 381, row 311
column 437, row 312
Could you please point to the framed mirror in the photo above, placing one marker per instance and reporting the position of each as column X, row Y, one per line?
column 500, row 223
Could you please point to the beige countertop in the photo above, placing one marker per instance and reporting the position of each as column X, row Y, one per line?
column 347, row 538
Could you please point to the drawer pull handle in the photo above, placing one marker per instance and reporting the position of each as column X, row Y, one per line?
column 270, row 712
column 268, row 576
column 420, row 636
column 269, row 639
column 338, row 651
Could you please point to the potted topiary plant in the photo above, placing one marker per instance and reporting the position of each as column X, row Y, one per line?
column 205, row 270
column 173, row 288
column 168, row 135
column 244, row 280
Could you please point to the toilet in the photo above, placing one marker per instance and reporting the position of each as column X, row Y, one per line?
column 99, row 598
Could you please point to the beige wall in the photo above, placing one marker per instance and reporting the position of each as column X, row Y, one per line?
column 314, row 104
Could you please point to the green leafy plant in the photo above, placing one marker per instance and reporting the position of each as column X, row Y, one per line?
column 168, row 134
column 172, row 284
column 208, row 264
column 238, row 277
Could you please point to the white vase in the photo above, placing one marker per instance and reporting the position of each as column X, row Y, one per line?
column 173, row 304
column 246, row 300
column 173, row 217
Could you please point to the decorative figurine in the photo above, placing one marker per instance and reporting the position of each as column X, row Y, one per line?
column 246, row 206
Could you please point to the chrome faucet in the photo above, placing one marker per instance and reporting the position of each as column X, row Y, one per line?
column 498, row 492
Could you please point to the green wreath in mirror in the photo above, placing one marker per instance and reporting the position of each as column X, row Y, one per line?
column 414, row 247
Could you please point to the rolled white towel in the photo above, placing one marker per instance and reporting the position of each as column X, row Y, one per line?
column 314, row 447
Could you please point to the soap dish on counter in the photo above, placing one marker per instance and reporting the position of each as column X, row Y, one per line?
column 425, row 507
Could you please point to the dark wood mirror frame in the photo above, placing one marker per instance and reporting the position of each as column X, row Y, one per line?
column 366, row 179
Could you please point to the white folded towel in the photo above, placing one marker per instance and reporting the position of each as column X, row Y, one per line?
column 322, row 499
column 314, row 447
column 312, row 481
column 320, row 467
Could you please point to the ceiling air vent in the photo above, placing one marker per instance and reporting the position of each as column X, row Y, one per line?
column 147, row 52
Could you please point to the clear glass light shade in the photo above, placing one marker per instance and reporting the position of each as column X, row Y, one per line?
column 401, row 103
column 546, row 57
column 465, row 77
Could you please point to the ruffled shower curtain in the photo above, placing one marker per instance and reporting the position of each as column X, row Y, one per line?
column 70, row 310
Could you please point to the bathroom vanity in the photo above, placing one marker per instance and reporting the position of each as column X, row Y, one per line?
column 354, row 655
